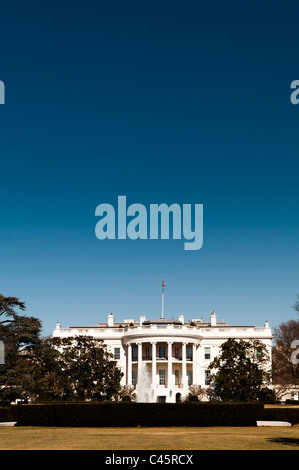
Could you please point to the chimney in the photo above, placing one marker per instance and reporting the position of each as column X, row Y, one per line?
column 141, row 319
column 213, row 319
column 110, row 319
column 58, row 326
column 181, row 319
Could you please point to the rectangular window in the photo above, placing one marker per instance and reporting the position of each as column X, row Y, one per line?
column 148, row 355
column 177, row 377
column 189, row 353
column 161, row 376
column 116, row 353
column 134, row 353
column 134, row 377
column 162, row 351
column 177, row 352
column 259, row 353
column 190, row 377
column 207, row 377
column 208, row 353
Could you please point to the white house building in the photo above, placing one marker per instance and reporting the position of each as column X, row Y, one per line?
column 162, row 358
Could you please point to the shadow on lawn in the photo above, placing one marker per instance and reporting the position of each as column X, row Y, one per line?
column 290, row 441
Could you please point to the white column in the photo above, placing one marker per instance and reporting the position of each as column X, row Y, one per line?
column 169, row 372
column 154, row 368
column 129, row 377
column 139, row 363
column 184, row 366
column 194, row 363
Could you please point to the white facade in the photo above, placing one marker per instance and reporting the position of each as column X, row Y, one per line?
column 175, row 354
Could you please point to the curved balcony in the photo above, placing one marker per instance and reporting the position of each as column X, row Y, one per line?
column 156, row 332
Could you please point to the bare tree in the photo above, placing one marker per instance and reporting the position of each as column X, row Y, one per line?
column 285, row 368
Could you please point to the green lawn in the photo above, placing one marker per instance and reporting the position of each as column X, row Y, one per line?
column 172, row 438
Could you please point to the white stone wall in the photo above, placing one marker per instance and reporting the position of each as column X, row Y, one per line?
column 176, row 338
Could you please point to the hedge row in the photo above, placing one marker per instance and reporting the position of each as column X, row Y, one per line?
column 138, row 414
column 283, row 413
column 5, row 415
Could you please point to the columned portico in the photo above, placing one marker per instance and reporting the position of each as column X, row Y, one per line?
column 170, row 360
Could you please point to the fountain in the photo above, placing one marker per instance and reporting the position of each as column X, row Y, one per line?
column 143, row 387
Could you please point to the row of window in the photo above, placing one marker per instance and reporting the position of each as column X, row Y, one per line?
column 147, row 351
column 162, row 377
column 162, row 353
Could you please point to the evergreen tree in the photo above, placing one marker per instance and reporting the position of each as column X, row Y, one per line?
column 240, row 372
column 51, row 368
column 20, row 335
column 90, row 370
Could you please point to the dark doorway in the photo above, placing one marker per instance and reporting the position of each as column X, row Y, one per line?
column 178, row 398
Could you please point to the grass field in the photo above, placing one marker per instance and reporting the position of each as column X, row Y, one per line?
column 172, row 438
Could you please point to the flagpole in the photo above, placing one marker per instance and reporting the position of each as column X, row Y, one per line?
column 163, row 284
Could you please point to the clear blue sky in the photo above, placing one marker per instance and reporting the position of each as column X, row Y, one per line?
column 161, row 101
